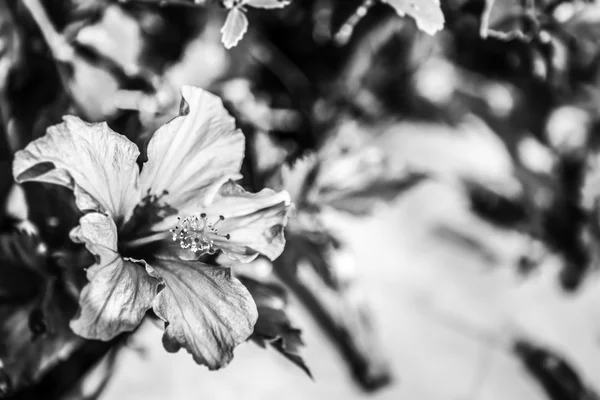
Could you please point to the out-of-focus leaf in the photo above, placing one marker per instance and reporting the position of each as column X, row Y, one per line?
column 590, row 191
column 27, row 353
column 270, row 155
column 34, row 312
column 162, row 3
column 91, row 87
column 5, row 383
column 10, row 59
column 203, row 61
column 273, row 325
column 348, row 173
column 20, row 260
column 16, row 203
column 6, row 179
column 94, row 381
column 495, row 206
column 67, row 379
column 10, row 44
column 69, row 16
column 555, row 374
column 117, row 36
column 311, row 246
column 299, row 177
column 337, row 305
column 55, row 216
column 361, row 201
column 583, row 24
column 427, row 13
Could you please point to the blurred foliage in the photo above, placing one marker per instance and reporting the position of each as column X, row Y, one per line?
column 555, row 374
column 273, row 325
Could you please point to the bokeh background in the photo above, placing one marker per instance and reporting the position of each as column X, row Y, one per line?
column 445, row 296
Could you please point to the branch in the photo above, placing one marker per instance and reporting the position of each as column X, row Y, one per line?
column 485, row 18
column 59, row 47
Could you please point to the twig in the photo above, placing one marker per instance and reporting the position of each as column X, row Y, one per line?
column 61, row 50
column 345, row 32
column 485, row 18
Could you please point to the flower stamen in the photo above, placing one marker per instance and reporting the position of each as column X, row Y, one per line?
column 196, row 233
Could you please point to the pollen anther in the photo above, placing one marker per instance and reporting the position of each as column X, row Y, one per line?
column 197, row 233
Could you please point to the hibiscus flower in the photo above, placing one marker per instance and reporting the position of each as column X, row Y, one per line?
column 152, row 228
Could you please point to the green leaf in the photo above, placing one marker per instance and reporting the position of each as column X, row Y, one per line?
column 426, row 13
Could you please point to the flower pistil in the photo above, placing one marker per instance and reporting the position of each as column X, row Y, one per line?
column 195, row 233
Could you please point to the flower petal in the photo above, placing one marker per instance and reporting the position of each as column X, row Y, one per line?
column 191, row 156
column 96, row 162
column 206, row 310
column 119, row 292
column 254, row 221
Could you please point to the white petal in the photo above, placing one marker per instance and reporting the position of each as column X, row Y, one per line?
column 193, row 155
column 254, row 221
column 207, row 311
column 98, row 164
column 119, row 292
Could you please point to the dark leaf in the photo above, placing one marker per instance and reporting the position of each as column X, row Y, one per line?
column 339, row 310
column 10, row 45
column 348, row 173
column 363, row 200
column 555, row 374
column 280, row 346
column 21, row 266
column 34, row 312
column 314, row 248
column 5, row 383
column 273, row 325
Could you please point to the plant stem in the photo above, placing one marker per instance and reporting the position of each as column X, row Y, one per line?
column 60, row 48
column 485, row 18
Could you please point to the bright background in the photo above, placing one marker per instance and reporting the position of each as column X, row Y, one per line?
column 444, row 291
